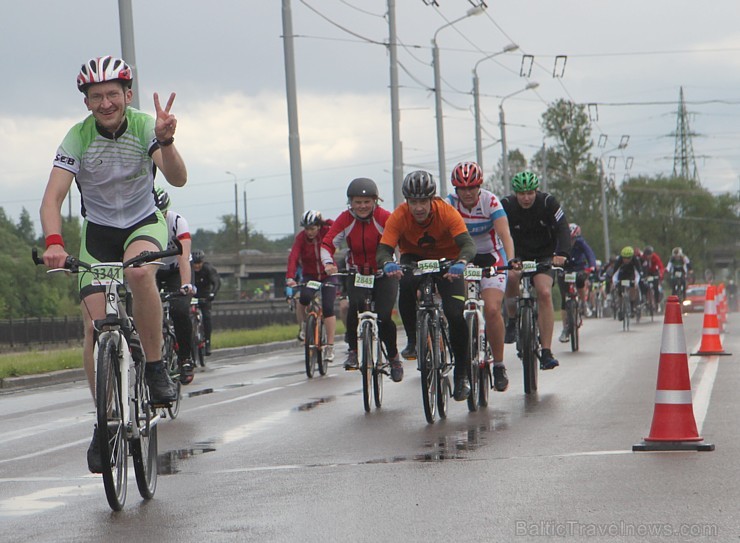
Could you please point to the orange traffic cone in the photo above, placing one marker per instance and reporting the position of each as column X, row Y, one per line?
column 710, row 342
column 674, row 426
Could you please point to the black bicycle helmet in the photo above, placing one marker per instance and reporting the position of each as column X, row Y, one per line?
column 419, row 184
column 362, row 186
column 198, row 256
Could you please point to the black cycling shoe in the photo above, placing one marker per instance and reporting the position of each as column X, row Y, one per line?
column 94, row 461
column 409, row 353
column 208, row 347
column 161, row 388
column 510, row 331
column 186, row 371
column 500, row 379
column 462, row 389
column 547, row 361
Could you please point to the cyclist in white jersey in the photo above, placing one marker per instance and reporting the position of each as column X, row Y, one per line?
column 112, row 156
column 175, row 275
column 489, row 227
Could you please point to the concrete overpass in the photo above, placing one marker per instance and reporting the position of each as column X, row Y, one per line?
column 234, row 269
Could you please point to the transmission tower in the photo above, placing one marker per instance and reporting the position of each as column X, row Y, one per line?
column 684, row 162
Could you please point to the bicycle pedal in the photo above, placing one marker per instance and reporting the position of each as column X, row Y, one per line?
column 160, row 405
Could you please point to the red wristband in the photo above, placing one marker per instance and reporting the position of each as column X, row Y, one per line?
column 54, row 239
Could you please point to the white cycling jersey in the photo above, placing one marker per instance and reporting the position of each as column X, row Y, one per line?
column 479, row 221
column 177, row 228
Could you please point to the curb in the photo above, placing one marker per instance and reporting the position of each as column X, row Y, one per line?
column 10, row 384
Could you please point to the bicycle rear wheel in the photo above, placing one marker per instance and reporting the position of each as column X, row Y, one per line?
column 144, row 448
column 378, row 372
column 528, row 349
column 484, row 372
column 473, row 354
column 626, row 311
column 111, row 432
column 311, row 348
column 366, row 364
column 425, row 360
column 443, row 380
column 198, row 347
column 169, row 359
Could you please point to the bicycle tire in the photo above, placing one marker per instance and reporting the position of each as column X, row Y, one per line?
column 366, row 364
column 425, row 361
column 111, row 433
column 322, row 361
column 485, row 379
column 474, row 354
column 198, row 347
column 529, row 350
column 625, row 312
column 169, row 359
column 572, row 316
column 378, row 373
column 311, row 349
column 144, row 448
column 443, row 380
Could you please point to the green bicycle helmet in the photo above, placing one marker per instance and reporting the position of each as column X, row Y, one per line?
column 525, row 181
column 627, row 252
column 161, row 199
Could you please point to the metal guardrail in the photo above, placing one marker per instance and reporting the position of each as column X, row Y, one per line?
column 30, row 331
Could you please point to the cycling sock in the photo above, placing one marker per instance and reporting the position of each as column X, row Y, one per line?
column 498, row 364
column 154, row 366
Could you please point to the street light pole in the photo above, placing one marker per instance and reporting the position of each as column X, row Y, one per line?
column 236, row 209
column 602, row 178
column 476, row 102
column 502, row 125
column 438, row 99
column 246, row 224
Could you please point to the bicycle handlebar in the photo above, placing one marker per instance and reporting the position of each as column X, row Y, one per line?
column 73, row 264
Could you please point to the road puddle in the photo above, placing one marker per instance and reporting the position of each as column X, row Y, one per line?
column 168, row 463
column 314, row 403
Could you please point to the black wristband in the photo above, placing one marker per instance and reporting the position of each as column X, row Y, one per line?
column 165, row 143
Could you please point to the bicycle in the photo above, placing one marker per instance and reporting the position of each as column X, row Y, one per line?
column 678, row 285
column 625, row 303
column 597, row 298
column 434, row 350
column 373, row 357
column 479, row 375
column 572, row 310
column 169, row 349
column 198, row 346
column 650, row 302
column 125, row 415
column 528, row 340
column 315, row 340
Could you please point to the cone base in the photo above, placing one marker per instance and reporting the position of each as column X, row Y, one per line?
column 711, row 353
column 672, row 446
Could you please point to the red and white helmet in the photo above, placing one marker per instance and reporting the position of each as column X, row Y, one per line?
column 101, row 69
column 575, row 230
column 467, row 174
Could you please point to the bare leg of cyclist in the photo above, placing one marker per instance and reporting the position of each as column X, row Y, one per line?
column 493, row 299
column 147, row 309
column 93, row 308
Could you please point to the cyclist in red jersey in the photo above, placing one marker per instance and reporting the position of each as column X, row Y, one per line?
column 306, row 252
column 361, row 227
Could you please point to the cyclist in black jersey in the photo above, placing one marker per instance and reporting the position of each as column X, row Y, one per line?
column 540, row 231
column 208, row 283
column 112, row 156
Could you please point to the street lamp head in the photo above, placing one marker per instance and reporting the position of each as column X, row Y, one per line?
column 532, row 85
column 477, row 10
column 511, row 47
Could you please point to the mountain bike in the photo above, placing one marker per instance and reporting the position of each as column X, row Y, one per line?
column 528, row 337
column 651, row 304
column 315, row 340
column 372, row 354
column 625, row 302
column 169, row 349
column 434, row 350
column 678, row 284
column 598, row 297
column 126, row 419
column 573, row 319
column 479, row 373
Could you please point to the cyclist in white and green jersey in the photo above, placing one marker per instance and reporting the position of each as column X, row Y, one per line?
column 113, row 156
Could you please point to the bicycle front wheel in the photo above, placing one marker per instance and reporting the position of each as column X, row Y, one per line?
column 366, row 364
column 425, row 360
column 111, row 432
column 444, row 360
column 572, row 316
column 485, row 378
column 144, row 448
column 323, row 362
column 311, row 346
column 529, row 348
column 173, row 368
column 378, row 372
column 473, row 354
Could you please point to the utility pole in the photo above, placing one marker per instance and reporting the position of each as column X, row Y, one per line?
column 294, row 140
column 126, row 23
column 397, row 149
column 684, row 162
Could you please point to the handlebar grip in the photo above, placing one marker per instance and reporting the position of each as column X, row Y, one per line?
column 35, row 256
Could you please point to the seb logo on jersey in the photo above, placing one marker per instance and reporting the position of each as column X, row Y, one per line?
column 426, row 241
column 65, row 159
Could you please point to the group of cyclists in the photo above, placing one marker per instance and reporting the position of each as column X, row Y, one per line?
column 472, row 226
column 114, row 154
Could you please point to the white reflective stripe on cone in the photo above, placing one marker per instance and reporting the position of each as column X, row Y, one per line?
column 673, row 340
column 673, row 396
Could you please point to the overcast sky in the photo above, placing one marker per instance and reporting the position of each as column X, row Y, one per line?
column 225, row 61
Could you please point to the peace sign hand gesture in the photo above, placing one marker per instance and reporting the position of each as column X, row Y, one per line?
column 165, row 123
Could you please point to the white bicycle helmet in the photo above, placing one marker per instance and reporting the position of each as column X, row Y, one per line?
column 102, row 69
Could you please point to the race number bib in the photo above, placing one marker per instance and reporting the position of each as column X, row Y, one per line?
column 364, row 281
column 626, row 282
column 105, row 273
column 570, row 277
column 529, row 266
column 316, row 285
column 473, row 274
column 428, row 266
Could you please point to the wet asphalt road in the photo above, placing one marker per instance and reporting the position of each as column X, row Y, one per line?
column 261, row 453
